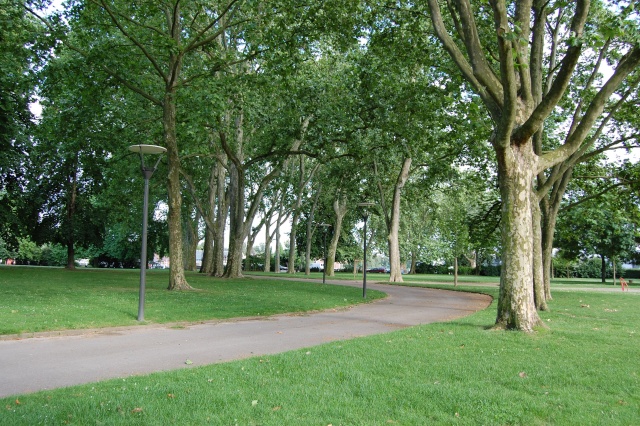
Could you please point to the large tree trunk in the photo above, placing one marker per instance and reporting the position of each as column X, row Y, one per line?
column 177, row 279
column 546, row 242
column 222, row 212
column 71, row 256
column 538, row 270
column 206, row 267
column 237, row 224
column 295, row 218
column 292, row 243
column 207, row 255
column 455, row 272
column 472, row 259
column 394, row 245
column 516, row 307
column 191, row 242
column 550, row 210
column 340, row 209
column 414, row 262
column 249, row 249
column 277, row 236
column 307, row 249
column 267, row 244
column 209, row 218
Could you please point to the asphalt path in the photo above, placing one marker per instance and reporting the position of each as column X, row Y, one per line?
column 55, row 360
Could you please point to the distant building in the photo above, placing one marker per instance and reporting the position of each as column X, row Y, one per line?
column 319, row 264
column 164, row 262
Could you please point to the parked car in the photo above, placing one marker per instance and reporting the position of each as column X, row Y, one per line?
column 377, row 270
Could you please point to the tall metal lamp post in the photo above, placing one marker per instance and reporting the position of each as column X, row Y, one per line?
column 147, row 172
column 324, row 250
column 365, row 217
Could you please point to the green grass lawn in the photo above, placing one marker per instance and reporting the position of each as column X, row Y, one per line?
column 582, row 370
column 34, row 299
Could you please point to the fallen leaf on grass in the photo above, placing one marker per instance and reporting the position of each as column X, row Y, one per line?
column 522, row 374
column 137, row 410
column 585, row 306
column 17, row 402
column 254, row 402
column 276, row 408
column 170, row 395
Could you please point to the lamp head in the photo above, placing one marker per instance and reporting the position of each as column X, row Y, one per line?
column 147, row 149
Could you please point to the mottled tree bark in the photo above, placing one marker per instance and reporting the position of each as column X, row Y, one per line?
column 516, row 307
column 340, row 210
column 177, row 279
column 394, row 244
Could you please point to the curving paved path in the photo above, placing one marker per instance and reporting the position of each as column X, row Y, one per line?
column 29, row 365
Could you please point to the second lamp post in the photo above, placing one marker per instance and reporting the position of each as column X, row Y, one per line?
column 147, row 172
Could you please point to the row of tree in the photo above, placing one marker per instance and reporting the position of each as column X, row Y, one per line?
column 455, row 118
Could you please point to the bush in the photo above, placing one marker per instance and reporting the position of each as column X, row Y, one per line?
column 53, row 255
column 426, row 268
column 592, row 268
column 631, row 273
column 28, row 252
column 490, row 270
column 465, row 270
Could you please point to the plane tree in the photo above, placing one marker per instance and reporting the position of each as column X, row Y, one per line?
column 71, row 150
column 499, row 49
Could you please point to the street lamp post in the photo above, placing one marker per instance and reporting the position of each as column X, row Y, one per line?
column 147, row 172
column 324, row 250
column 365, row 217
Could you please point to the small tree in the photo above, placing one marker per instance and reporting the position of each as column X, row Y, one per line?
column 28, row 251
column 597, row 229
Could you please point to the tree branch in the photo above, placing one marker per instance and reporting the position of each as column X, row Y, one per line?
column 626, row 65
column 135, row 41
column 491, row 100
column 562, row 80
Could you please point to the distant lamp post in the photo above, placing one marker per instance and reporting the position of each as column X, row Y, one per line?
column 365, row 217
column 147, row 172
column 324, row 250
